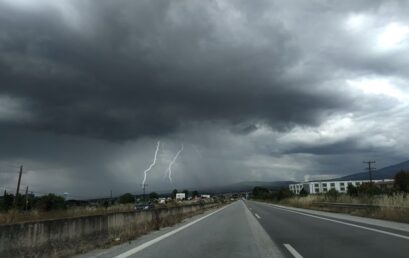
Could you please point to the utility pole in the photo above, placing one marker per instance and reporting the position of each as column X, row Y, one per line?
column 18, row 186
column 144, row 191
column 111, row 198
column 26, row 207
column 370, row 168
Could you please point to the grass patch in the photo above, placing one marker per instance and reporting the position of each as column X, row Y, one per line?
column 388, row 207
column 15, row 216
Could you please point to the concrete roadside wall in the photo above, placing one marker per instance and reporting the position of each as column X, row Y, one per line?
column 66, row 237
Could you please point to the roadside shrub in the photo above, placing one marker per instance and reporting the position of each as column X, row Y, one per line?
column 174, row 192
column 303, row 193
column 186, row 192
column 284, row 193
column 352, row 190
column 332, row 194
column 126, row 198
column 153, row 195
column 195, row 194
column 261, row 193
column 402, row 181
column 6, row 202
column 50, row 202
column 369, row 189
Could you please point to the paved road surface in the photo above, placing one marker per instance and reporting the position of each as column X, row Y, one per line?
column 253, row 229
column 230, row 232
column 323, row 236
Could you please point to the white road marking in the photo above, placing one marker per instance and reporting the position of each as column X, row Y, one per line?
column 345, row 223
column 293, row 251
column 257, row 216
column 153, row 241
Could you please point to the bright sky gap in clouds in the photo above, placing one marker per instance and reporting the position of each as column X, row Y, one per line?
column 265, row 90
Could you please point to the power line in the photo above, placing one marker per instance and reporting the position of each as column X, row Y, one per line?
column 144, row 191
column 370, row 168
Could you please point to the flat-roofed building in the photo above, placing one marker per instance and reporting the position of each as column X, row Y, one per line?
column 317, row 187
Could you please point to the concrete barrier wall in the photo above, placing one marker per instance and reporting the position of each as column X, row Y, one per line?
column 66, row 237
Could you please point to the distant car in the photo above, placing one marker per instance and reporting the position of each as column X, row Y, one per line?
column 143, row 206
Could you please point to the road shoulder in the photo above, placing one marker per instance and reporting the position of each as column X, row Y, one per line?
column 346, row 217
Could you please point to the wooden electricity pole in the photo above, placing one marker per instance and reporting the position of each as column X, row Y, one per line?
column 18, row 186
column 370, row 169
column 144, row 191
column 26, row 206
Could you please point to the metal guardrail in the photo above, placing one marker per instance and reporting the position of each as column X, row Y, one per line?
column 356, row 206
column 346, row 205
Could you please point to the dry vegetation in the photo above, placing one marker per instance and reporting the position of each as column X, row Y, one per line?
column 394, row 207
column 13, row 216
column 128, row 231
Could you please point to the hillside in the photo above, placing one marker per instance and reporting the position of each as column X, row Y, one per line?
column 247, row 186
column 384, row 173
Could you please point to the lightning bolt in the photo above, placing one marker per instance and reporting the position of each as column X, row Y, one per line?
column 151, row 165
column 172, row 162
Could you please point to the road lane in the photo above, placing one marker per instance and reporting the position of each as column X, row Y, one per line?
column 231, row 232
column 314, row 237
column 164, row 236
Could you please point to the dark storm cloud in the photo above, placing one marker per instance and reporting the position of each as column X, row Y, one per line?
column 346, row 146
column 136, row 70
column 256, row 90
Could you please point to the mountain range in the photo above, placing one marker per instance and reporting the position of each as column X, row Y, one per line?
column 384, row 173
column 246, row 186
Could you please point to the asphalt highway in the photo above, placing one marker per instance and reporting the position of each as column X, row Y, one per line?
column 254, row 229
column 231, row 231
column 312, row 235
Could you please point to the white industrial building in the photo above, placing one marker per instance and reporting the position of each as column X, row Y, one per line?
column 180, row 196
column 317, row 187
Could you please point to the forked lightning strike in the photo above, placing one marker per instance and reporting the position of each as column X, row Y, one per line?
column 151, row 165
column 172, row 162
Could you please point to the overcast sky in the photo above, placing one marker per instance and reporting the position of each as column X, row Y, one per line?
column 254, row 90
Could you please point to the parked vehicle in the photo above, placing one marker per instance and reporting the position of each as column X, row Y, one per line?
column 144, row 206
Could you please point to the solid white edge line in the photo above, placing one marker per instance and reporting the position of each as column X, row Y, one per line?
column 257, row 216
column 153, row 241
column 344, row 223
column 293, row 251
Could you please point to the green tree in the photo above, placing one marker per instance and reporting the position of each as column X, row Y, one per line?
column 332, row 194
column 7, row 201
column 284, row 193
column 186, row 193
column 261, row 193
column 352, row 190
column 402, row 181
column 50, row 202
column 303, row 193
column 369, row 189
column 105, row 204
column 174, row 192
column 153, row 195
column 126, row 198
column 195, row 193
